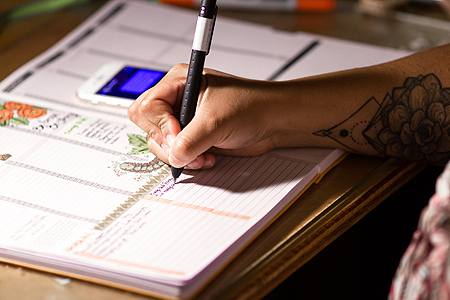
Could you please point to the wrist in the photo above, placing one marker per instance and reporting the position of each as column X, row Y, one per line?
column 292, row 118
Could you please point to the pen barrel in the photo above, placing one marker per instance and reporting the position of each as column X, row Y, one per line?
column 192, row 88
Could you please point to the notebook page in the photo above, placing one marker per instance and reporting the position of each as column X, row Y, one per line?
column 86, row 191
column 183, row 229
column 55, row 163
column 332, row 55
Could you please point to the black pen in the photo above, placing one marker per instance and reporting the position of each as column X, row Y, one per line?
column 200, row 48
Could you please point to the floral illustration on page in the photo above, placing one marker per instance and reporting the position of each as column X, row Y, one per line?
column 15, row 113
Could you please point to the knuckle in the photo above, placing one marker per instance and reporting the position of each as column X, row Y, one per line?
column 155, row 136
column 213, row 121
column 161, row 122
column 132, row 113
column 144, row 107
column 180, row 68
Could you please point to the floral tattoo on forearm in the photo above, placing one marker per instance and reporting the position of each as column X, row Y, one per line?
column 413, row 123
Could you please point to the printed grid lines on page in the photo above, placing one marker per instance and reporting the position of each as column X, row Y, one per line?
column 256, row 191
column 272, row 174
column 47, row 210
column 77, row 143
column 236, row 181
column 272, row 177
column 190, row 228
column 196, row 228
column 68, row 178
column 230, row 48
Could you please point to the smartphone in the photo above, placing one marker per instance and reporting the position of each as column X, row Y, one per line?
column 119, row 84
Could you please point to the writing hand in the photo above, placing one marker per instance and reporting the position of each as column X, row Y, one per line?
column 230, row 119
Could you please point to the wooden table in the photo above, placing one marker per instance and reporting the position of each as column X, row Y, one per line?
column 326, row 210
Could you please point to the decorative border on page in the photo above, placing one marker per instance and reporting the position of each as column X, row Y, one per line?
column 152, row 182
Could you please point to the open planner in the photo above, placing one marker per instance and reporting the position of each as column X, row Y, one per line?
column 81, row 195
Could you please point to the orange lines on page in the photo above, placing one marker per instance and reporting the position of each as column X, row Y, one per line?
column 217, row 212
column 197, row 207
column 157, row 199
column 232, row 215
column 124, row 263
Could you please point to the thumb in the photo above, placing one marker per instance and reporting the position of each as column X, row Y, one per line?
column 196, row 138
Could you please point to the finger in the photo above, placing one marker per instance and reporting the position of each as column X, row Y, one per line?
column 155, row 139
column 160, row 114
column 195, row 139
column 152, row 130
column 158, row 151
column 171, row 86
column 203, row 161
column 258, row 148
column 209, row 160
column 158, row 104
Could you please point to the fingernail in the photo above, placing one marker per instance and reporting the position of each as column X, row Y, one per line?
column 195, row 164
column 208, row 163
column 173, row 161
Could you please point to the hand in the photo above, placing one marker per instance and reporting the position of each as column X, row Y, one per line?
column 231, row 118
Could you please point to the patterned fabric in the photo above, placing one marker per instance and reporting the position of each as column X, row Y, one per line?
column 422, row 273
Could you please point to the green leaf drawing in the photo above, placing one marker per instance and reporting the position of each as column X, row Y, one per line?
column 137, row 140
column 2, row 106
column 4, row 123
column 20, row 121
column 139, row 150
column 139, row 144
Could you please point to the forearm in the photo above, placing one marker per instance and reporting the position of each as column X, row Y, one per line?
column 369, row 111
column 399, row 109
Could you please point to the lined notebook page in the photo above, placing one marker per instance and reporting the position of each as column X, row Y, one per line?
column 178, row 229
column 87, row 190
column 65, row 167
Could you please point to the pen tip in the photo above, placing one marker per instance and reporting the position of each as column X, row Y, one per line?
column 176, row 172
